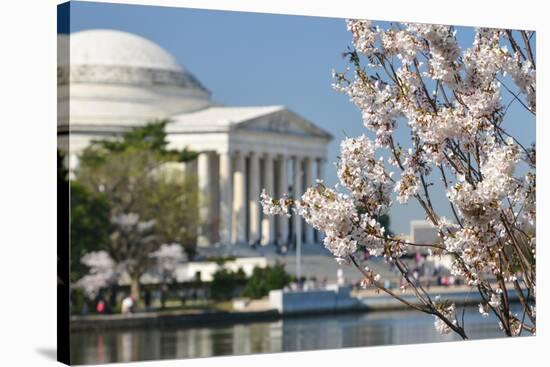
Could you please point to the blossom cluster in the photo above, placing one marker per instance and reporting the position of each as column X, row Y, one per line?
column 364, row 35
column 362, row 174
column 480, row 202
column 103, row 272
column 487, row 58
column 273, row 206
column 337, row 215
column 376, row 101
column 443, row 49
column 168, row 256
column 449, row 312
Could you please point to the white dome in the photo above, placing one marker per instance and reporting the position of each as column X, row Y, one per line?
column 116, row 48
column 120, row 79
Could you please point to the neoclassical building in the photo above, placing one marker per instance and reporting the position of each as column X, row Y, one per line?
column 117, row 80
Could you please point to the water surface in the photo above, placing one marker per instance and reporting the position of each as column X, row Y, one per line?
column 289, row 334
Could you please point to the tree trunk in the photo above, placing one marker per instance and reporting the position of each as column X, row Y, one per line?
column 162, row 297
column 112, row 298
column 134, row 289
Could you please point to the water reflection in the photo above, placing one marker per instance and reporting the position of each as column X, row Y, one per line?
column 291, row 334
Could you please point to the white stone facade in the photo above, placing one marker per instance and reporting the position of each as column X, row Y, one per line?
column 116, row 81
column 424, row 232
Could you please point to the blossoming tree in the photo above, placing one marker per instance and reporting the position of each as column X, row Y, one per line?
column 168, row 257
column 103, row 272
column 451, row 101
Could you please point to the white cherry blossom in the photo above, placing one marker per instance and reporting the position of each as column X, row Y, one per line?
column 451, row 98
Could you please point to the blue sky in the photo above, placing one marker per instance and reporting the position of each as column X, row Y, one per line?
column 262, row 59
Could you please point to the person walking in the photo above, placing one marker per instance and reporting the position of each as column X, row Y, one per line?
column 100, row 307
column 127, row 305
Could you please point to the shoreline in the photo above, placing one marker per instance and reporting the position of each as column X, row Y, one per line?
column 368, row 301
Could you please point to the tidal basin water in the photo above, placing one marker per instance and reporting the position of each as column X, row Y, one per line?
column 289, row 334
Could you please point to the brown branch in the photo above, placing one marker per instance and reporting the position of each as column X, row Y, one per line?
column 384, row 289
column 430, row 308
column 514, row 44
column 528, row 48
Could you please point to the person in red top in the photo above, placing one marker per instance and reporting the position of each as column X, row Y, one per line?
column 100, row 308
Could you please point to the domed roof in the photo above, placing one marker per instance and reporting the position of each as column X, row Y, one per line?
column 122, row 79
column 116, row 48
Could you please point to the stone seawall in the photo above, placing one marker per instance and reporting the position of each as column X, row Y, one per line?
column 301, row 302
column 281, row 304
column 385, row 302
column 164, row 319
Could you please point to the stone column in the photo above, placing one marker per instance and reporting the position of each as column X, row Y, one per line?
column 320, row 169
column 254, row 199
column 239, row 200
column 282, row 233
column 205, row 176
column 320, row 176
column 297, row 193
column 268, row 221
column 308, row 179
column 297, row 220
column 189, row 167
column 226, row 198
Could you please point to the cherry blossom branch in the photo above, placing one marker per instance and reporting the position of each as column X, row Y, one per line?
column 528, row 48
column 516, row 97
column 386, row 290
column 429, row 307
column 514, row 44
column 458, row 129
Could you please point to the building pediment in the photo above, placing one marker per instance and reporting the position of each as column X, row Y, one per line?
column 266, row 119
column 283, row 121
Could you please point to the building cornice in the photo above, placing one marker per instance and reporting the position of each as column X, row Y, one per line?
column 126, row 75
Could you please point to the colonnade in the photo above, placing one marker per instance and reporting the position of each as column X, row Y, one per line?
column 230, row 184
